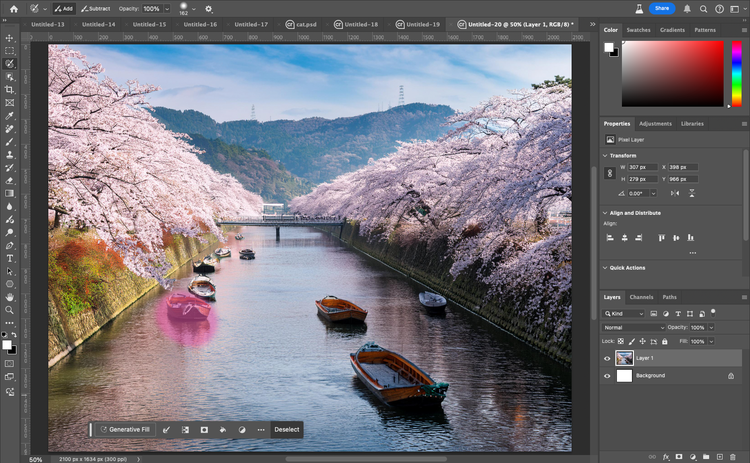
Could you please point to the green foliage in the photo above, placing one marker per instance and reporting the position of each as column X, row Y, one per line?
column 187, row 121
column 559, row 80
column 78, row 268
column 315, row 148
column 253, row 168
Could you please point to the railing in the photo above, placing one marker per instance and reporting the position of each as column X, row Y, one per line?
column 283, row 220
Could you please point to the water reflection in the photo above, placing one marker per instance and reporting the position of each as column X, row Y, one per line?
column 344, row 330
column 417, row 429
column 265, row 354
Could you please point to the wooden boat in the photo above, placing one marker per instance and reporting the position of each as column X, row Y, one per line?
column 203, row 287
column 239, row 236
column 186, row 307
column 432, row 301
column 223, row 252
column 395, row 380
column 247, row 254
column 334, row 309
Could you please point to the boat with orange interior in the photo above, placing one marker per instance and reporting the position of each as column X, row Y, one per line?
column 334, row 309
column 203, row 287
column 395, row 380
column 186, row 307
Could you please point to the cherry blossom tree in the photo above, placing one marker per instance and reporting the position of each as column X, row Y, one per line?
column 488, row 186
column 114, row 168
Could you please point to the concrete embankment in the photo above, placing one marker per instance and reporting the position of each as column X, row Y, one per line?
column 427, row 265
column 66, row 331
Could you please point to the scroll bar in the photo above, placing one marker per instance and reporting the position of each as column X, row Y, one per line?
column 745, row 194
column 594, row 241
column 365, row 459
column 745, row 213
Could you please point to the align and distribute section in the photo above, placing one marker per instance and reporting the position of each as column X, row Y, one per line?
column 672, row 73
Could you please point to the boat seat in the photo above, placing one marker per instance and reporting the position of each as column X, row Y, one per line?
column 386, row 376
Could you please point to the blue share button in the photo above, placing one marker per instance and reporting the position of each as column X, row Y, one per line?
column 661, row 8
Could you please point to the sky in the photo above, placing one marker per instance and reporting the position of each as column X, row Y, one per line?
column 330, row 81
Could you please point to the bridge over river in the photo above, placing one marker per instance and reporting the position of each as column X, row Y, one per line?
column 279, row 221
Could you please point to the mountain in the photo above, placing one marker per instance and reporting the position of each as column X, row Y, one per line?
column 254, row 169
column 320, row 149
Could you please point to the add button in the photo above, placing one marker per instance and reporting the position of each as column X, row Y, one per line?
column 661, row 8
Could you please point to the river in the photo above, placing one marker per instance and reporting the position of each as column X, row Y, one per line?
column 264, row 354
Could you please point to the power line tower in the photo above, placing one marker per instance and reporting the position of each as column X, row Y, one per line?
column 400, row 95
column 252, row 114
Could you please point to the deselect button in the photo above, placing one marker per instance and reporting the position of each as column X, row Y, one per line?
column 661, row 8
column 287, row 430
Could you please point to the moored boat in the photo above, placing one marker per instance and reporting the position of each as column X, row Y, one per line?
column 223, row 252
column 203, row 287
column 394, row 379
column 432, row 301
column 202, row 266
column 186, row 307
column 239, row 236
column 247, row 254
column 334, row 309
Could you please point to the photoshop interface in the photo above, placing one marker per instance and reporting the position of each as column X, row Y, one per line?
column 327, row 231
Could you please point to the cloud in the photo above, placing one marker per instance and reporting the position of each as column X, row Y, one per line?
column 299, row 81
column 188, row 92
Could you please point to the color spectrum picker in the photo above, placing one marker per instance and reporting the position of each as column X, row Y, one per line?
column 736, row 74
column 671, row 73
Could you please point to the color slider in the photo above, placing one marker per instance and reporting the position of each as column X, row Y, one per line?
column 736, row 74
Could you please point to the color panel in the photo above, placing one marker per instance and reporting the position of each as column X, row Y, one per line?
column 737, row 73
column 671, row 73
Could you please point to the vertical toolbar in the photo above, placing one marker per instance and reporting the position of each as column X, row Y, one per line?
column 10, row 231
